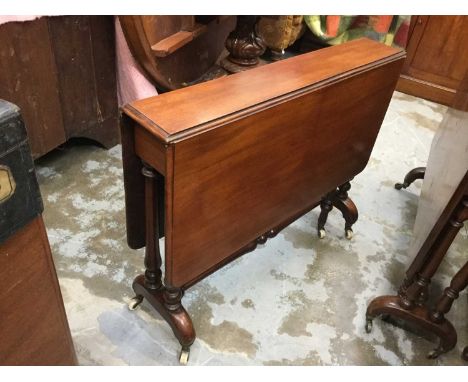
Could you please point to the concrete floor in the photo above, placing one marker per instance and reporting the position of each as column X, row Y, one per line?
column 297, row 300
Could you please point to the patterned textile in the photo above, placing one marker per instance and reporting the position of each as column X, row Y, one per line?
column 279, row 32
column 391, row 30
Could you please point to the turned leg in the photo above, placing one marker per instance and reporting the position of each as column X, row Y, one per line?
column 165, row 299
column 347, row 207
column 418, row 289
column 415, row 173
column 339, row 199
column 326, row 205
column 451, row 293
column 410, row 306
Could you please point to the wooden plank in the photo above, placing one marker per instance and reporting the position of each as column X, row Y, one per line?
column 206, row 102
column 86, row 70
column 149, row 148
column 427, row 90
column 170, row 44
column 233, row 183
column 28, row 79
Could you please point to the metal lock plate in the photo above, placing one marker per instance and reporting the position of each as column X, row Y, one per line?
column 7, row 183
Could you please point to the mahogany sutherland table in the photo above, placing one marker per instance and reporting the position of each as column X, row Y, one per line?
column 221, row 166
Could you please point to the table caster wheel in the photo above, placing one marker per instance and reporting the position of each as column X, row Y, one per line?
column 435, row 353
column 134, row 302
column 368, row 326
column 184, row 356
column 465, row 354
column 349, row 234
column 321, row 233
column 399, row 186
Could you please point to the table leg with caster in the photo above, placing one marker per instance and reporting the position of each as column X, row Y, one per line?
column 340, row 200
column 166, row 300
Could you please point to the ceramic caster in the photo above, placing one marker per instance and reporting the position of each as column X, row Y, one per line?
column 368, row 326
column 349, row 234
column 184, row 356
column 134, row 302
column 465, row 354
column 435, row 353
column 321, row 233
column 399, row 186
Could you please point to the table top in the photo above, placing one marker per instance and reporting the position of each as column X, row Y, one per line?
column 188, row 111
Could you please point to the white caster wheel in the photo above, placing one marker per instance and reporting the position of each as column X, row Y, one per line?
column 184, row 356
column 321, row 233
column 349, row 234
column 134, row 302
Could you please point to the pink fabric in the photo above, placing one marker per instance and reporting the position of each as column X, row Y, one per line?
column 131, row 82
column 10, row 18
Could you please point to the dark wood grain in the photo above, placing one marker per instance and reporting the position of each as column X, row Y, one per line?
column 171, row 64
column 61, row 72
column 33, row 324
column 84, row 53
column 28, row 79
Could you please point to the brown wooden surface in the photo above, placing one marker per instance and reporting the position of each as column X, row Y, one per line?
column 84, row 53
column 33, row 323
column 437, row 57
column 28, row 79
column 61, row 72
column 228, row 97
column 173, row 66
column 248, row 153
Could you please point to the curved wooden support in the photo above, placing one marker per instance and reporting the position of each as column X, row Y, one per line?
column 340, row 200
column 415, row 173
column 419, row 315
column 167, row 302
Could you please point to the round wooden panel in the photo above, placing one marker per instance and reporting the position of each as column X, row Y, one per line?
column 176, row 50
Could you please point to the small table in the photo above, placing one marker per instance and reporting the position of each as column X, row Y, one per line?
column 222, row 166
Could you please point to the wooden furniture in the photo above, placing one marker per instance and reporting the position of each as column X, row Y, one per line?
column 442, row 209
column 437, row 53
column 244, row 46
column 34, row 328
column 411, row 176
column 33, row 323
column 61, row 72
column 224, row 165
column 176, row 50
